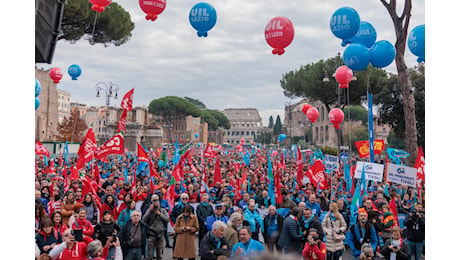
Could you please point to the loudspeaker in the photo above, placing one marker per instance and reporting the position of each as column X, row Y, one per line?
column 48, row 17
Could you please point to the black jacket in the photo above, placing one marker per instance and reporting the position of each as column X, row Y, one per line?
column 202, row 212
column 104, row 230
column 314, row 223
column 279, row 219
column 290, row 234
column 207, row 245
column 415, row 231
column 176, row 211
column 124, row 236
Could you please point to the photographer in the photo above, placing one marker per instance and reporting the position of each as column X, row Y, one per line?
column 367, row 252
column 155, row 217
column 314, row 248
column 396, row 247
column 415, row 232
column 72, row 247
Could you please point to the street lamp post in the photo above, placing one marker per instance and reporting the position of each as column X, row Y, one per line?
column 108, row 90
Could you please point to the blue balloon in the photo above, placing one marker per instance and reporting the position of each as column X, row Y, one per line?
column 382, row 54
column 366, row 35
column 203, row 17
column 281, row 137
column 37, row 103
column 74, row 71
column 38, row 87
column 356, row 57
column 416, row 42
column 161, row 163
column 345, row 23
column 197, row 135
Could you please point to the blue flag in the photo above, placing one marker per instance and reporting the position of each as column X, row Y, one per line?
column 176, row 157
column 346, row 169
column 271, row 185
column 66, row 153
column 357, row 198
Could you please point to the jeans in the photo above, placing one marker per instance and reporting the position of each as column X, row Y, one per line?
column 415, row 249
column 334, row 255
column 133, row 254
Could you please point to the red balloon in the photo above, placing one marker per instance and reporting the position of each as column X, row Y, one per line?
column 312, row 114
column 306, row 107
column 343, row 75
column 279, row 33
column 99, row 5
column 336, row 117
column 56, row 74
column 152, row 8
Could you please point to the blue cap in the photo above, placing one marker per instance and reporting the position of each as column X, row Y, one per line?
column 252, row 192
column 349, row 196
column 213, row 190
column 301, row 192
column 218, row 205
column 229, row 188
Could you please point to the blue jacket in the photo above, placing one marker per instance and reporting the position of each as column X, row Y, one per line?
column 252, row 248
column 252, row 218
column 356, row 238
column 315, row 208
column 211, row 219
column 124, row 216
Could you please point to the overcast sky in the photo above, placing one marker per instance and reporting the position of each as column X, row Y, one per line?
column 232, row 68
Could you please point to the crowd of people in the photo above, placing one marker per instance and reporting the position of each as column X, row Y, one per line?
column 118, row 211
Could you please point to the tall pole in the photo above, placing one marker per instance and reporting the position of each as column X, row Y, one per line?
column 108, row 90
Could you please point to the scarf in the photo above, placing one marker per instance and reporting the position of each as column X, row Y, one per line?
column 46, row 235
column 332, row 216
column 87, row 204
column 217, row 241
column 397, row 243
column 307, row 222
column 272, row 224
column 204, row 204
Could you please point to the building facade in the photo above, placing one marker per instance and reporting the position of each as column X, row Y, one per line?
column 63, row 105
column 46, row 116
column 245, row 123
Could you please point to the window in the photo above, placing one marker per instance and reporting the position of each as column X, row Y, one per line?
column 233, row 133
column 242, row 133
column 247, row 133
column 327, row 133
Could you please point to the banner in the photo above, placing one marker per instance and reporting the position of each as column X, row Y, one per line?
column 316, row 175
column 402, row 174
column 331, row 162
column 396, row 154
column 41, row 149
column 372, row 171
column 363, row 147
column 113, row 146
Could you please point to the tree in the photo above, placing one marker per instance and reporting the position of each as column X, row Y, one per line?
column 71, row 129
column 215, row 119
column 307, row 82
column 196, row 102
column 395, row 142
column 277, row 127
column 401, row 25
column 113, row 25
column 270, row 122
column 171, row 108
column 357, row 113
column 391, row 104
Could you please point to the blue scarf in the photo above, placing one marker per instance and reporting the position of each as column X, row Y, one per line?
column 216, row 240
column 332, row 216
column 307, row 222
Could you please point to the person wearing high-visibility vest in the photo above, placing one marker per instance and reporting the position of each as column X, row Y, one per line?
column 387, row 221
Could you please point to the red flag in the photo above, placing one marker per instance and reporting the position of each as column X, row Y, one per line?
column 133, row 183
column 127, row 102
column 420, row 165
column 277, row 179
column 122, row 122
column 97, row 176
column 113, row 146
column 217, row 173
column 209, row 152
column 394, row 210
column 87, row 149
column 316, row 175
column 153, row 171
column 299, row 164
column 170, row 196
column 41, row 149
column 74, row 174
column 142, row 154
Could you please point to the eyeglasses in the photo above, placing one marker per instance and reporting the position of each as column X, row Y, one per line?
column 184, row 199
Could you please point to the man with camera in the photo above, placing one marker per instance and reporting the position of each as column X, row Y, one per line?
column 360, row 233
column 74, row 246
column 133, row 237
column 415, row 232
column 155, row 217
column 314, row 248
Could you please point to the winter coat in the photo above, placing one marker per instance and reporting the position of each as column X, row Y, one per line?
column 43, row 239
column 329, row 228
column 415, row 231
column 208, row 244
column 113, row 212
column 156, row 222
column 314, row 223
column 124, row 216
column 354, row 236
column 255, row 220
column 315, row 208
column 251, row 249
column 202, row 212
column 85, row 225
column 279, row 224
column 314, row 252
column 104, row 230
column 291, row 234
column 124, row 236
column 402, row 254
column 231, row 235
column 177, row 210
column 185, row 240
column 67, row 209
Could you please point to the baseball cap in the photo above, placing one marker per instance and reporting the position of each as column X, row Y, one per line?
column 229, row 188
column 213, row 190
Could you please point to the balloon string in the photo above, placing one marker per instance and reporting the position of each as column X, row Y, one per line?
column 349, row 120
column 94, row 25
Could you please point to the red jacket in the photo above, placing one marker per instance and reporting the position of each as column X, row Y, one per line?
column 77, row 252
column 85, row 225
column 113, row 212
column 314, row 252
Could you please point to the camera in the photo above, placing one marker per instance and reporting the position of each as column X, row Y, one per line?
column 114, row 237
column 155, row 207
column 77, row 234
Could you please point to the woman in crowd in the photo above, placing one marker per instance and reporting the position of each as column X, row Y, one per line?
column 47, row 237
column 82, row 223
column 124, row 216
column 106, row 228
column 185, row 227
column 67, row 206
column 396, row 247
column 59, row 225
column 334, row 227
column 91, row 208
column 109, row 205
column 128, row 197
column 192, row 193
column 40, row 214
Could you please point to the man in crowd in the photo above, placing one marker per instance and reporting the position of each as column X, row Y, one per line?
column 273, row 224
column 214, row 243
column 360, row 233
column 247, row 247
column 291, row 233
column 217, row 216
column 203, row 210
column 251, row 214
column 415, row 233
column 133, row 237
column 313, row 205
column 155, row 218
